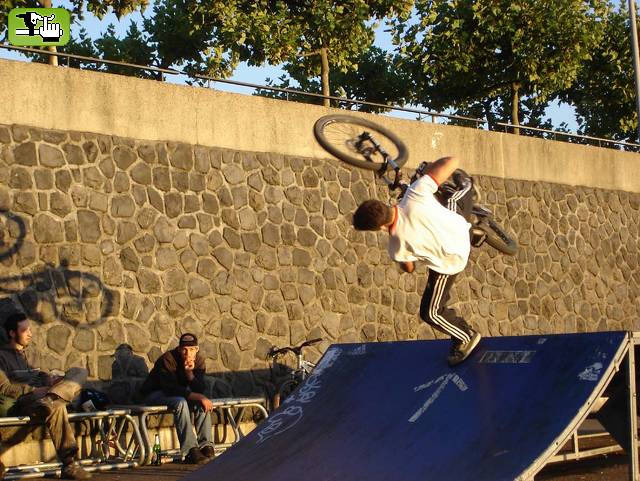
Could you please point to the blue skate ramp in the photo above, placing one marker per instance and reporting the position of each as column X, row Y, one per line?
column 396, row 412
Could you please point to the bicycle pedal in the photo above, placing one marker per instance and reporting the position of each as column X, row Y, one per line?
column 478, row 236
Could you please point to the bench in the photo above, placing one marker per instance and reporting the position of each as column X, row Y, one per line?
column 231, row 411
column 112, row 440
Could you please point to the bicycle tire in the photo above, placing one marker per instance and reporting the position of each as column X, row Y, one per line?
column 284, row 391
column 320, row 130
column 498, row 238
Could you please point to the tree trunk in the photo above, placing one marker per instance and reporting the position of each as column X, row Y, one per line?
column 53, row 59
column 324, row 75
column 488, row 113
column 515, row 104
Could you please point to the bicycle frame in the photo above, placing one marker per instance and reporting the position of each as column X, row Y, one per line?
column 296, row 376
column 387, row 163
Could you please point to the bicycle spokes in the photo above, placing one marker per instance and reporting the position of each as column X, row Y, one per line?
column 353, row 140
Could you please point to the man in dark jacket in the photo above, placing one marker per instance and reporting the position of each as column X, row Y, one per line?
column 177, row 380
column 39, row 394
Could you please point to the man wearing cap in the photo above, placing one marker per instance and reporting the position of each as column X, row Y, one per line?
column 177, row 380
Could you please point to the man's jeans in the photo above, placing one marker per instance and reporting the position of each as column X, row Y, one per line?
column 182, row 416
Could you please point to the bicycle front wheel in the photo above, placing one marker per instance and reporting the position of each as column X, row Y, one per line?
column 342, row 136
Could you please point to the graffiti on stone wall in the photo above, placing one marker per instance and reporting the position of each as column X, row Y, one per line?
column 50, row 292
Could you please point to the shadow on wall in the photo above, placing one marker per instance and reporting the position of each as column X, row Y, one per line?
column 51, row 292
column 129, row 371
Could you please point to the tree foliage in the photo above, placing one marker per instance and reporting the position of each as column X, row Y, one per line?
column 172, row 35
column 486, row 55
column 315, row 36
column 211, row 37
column 604, row 93
column 97, row 8
column 376, row 79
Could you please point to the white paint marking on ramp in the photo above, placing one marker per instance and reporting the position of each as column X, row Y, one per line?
column 443, row 380
column 591, row 373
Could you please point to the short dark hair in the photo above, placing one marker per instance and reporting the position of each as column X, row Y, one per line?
column 11, row 324
column 371, row 215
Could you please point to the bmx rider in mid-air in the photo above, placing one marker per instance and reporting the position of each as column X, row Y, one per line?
column 422, row 229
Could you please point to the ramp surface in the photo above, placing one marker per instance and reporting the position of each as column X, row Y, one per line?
column 396, row 412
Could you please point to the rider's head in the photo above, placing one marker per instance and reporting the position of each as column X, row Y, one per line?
column 372, row 215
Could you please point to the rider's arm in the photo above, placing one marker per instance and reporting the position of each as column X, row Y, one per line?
column 407, row 266
column 441, row 169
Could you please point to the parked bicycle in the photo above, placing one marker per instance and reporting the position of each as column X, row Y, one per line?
column 296, row 376
column 367, row 145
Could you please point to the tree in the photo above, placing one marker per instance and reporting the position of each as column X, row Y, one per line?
column 377, row 79
column 97, row 8
column 170, row 37
column 317, row 36
column 487, row 55
column 604, row 92
column 211, row 37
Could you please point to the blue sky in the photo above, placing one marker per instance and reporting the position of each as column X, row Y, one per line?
column 254, row 75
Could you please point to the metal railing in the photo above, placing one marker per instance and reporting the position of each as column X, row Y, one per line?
column 477, row 123
column 556, row 133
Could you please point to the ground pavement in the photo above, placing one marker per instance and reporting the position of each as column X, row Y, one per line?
column 604, row 468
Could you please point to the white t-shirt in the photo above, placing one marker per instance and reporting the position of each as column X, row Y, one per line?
column 425, row 230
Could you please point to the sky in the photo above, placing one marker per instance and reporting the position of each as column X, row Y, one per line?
column 250, row 74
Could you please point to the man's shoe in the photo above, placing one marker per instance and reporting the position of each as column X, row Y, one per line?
column 194, row 456
column 41, row 407
column 461, row 350
column 74, row 471
column 208, row 451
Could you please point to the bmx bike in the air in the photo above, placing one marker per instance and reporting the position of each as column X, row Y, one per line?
column 367, row 145
column 294, row 377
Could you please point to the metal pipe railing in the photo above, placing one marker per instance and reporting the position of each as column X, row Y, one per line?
column 569, row 134
column 420, row 112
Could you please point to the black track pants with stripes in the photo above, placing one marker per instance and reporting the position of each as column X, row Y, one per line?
column 433, row 307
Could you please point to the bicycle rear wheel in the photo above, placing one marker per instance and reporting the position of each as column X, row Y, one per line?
column 498, row 238
column 284, row 391
column 341, row 136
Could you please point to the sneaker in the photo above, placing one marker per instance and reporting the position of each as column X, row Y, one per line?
column 461, row 350
column 208, row 451
column 74, row 471
column 194, row 456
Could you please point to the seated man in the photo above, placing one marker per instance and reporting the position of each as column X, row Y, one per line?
column 177, row 380
column 40, row 395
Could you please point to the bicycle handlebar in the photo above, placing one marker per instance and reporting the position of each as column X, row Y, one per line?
column 294, row 349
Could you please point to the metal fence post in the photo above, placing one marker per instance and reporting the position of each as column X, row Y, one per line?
column 633, row 420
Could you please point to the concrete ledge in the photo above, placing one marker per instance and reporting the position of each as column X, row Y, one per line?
column 60, row 98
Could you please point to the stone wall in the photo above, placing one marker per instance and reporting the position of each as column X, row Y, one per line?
column 113, row 242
